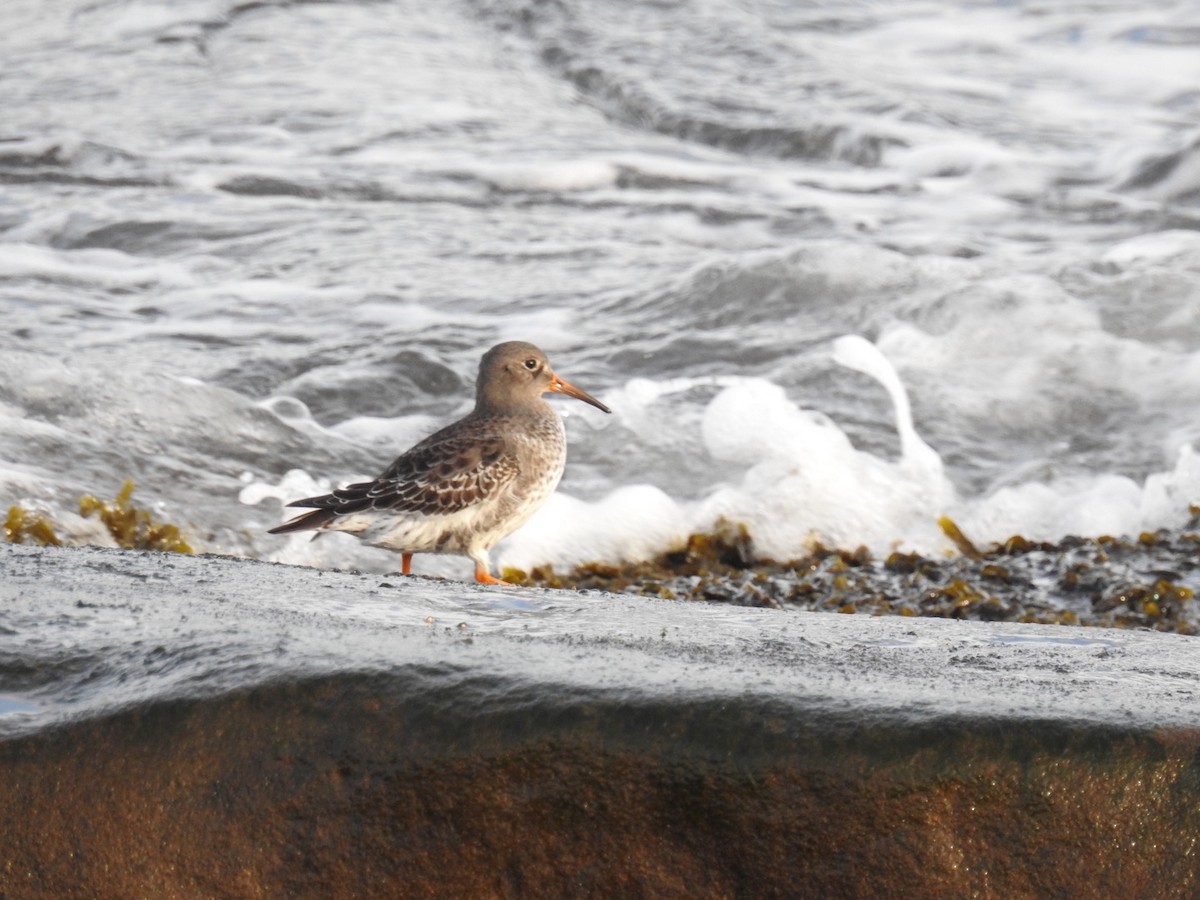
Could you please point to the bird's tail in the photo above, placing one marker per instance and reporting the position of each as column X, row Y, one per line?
column 310, row 521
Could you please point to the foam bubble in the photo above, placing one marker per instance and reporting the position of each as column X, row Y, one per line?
column 563, row 176
column 632, row 523
column 1095, row 506
column 952, row 157
column 1167, row 495
column 294, row 484
column 1088, row 506
column 807, row 483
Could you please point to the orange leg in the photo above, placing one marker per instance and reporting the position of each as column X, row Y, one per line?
column 406, row 563
column 483, row 576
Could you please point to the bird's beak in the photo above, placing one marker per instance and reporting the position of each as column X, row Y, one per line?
column 558, row 386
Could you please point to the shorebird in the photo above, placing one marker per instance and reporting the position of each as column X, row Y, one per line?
column 464, row 488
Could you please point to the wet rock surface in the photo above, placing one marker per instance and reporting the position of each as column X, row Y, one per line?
column 183, row 726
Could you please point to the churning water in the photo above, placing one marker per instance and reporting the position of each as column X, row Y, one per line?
column 838, row 267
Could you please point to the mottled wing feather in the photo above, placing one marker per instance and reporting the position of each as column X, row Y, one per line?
column 436, row 477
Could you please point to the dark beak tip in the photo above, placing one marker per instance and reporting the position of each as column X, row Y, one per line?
column 560, row 386
column 592, row 401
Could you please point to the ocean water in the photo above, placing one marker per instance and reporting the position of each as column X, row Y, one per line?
column 839, row 268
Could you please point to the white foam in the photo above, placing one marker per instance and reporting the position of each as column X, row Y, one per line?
column 294, row 484
column 807, row 483
column 107, row 268
column 632, row 523
column 1046, row 512
column 1166, row 496
column 1088, row 506
column 558, row 176
column 1173, row 245
column 916, row 457
column 954, row 157
column 132, row 19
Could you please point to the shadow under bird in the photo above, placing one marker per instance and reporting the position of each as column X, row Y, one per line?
column 464, row 488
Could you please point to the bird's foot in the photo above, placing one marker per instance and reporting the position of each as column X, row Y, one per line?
column 483, row 576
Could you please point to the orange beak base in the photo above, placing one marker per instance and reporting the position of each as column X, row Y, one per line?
column 558, row 386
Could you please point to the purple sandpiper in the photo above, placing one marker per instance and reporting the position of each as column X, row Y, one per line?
column 464, row 488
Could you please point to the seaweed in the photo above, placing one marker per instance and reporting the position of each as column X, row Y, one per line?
column 21, row 525
column 132, row 527
column 1089, row 581
column 964, row 544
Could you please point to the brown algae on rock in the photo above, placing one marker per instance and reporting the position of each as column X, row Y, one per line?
column 1147, row 581
column 1139, row 582
column 132, row 527
column 21, row 525
column 964, row 544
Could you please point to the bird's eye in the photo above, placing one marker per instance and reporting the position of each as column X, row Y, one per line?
column 531, row 364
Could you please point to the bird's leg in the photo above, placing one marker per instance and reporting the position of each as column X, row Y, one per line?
column 483, row 576
column 406, row 563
